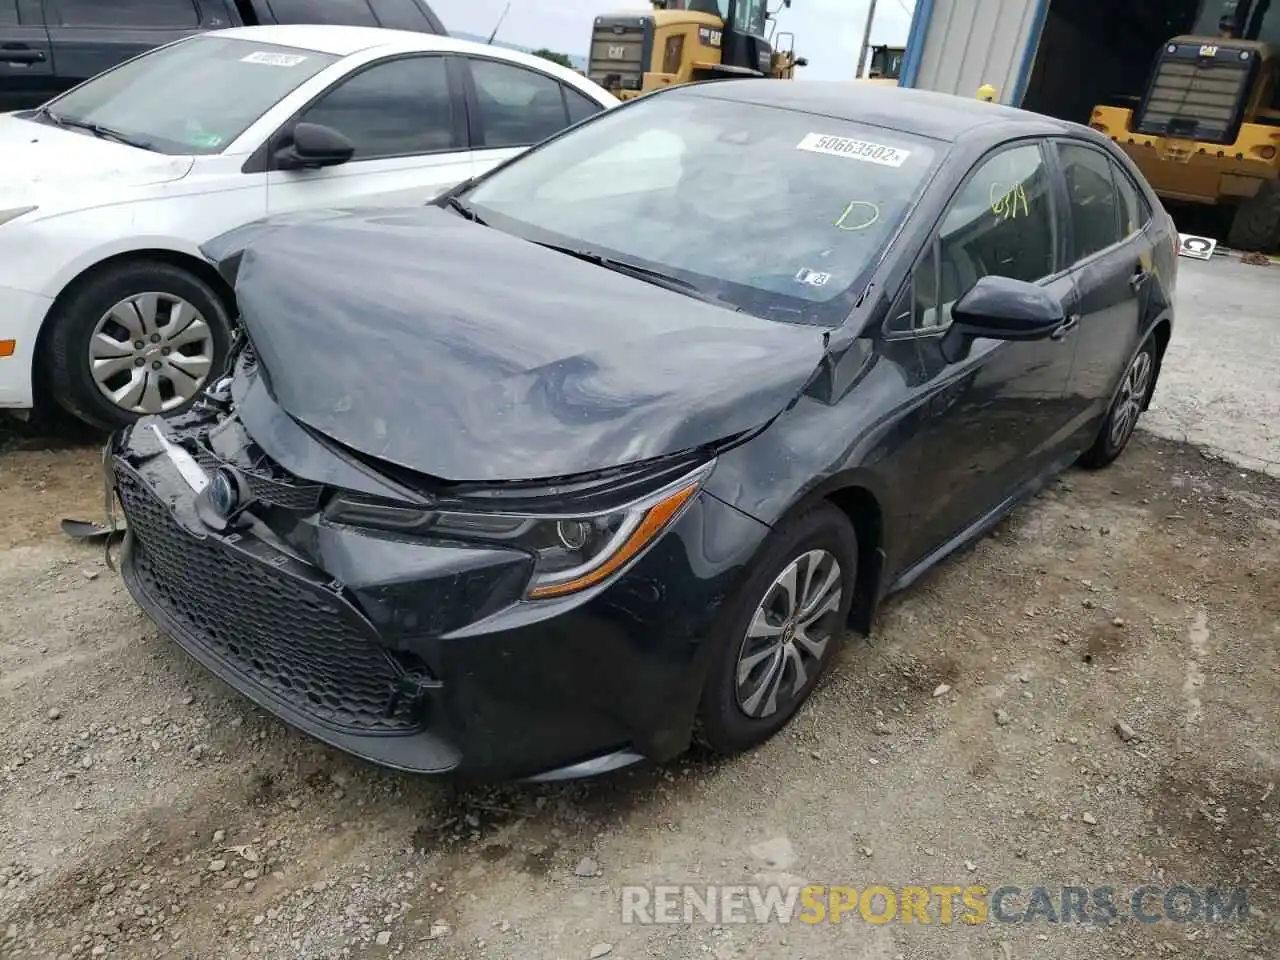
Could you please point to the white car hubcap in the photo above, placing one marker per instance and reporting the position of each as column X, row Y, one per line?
column 151, row 353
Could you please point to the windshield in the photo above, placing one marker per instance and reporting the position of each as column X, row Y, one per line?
column 192, row 97
column 777, row 212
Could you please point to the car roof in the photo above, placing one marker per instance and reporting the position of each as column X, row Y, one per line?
column 343, row 41
column 940, row 116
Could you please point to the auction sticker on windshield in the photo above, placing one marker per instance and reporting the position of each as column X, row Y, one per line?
column 854, row 149
column 273, row 59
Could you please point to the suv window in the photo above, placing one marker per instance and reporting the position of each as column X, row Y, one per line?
column 401, row 15
column 147, row 14
column 1001, row 223
column 392, row 109
column 1135, row 212
column 8, row 13
column 518, row 107
column 349, row 13
column 1095, row 208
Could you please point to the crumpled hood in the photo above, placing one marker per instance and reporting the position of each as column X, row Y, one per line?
column 465, row 353
column 37, row 159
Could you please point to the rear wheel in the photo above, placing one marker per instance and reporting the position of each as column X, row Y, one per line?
column 138, row 338
column 1126, row 408
column 780, row 631
column 1256, row 224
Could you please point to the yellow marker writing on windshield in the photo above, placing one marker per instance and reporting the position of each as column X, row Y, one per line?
column 1011, row 203
column 869, row 215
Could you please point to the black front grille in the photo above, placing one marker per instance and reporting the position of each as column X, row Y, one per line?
column 278, row 491
column 292, row 638
column 619, row 53
column 1197, row 96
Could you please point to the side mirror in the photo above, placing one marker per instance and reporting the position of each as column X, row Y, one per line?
column 314, row 145
column 1001, row 308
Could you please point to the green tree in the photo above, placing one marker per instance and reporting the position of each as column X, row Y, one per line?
column 554, row 57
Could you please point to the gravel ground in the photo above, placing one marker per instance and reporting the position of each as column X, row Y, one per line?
column 1089, row 696
column 147, row 810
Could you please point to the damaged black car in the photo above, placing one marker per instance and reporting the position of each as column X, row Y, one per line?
column 608, row 449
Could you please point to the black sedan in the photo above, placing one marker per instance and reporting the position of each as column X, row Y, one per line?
column 609, row 449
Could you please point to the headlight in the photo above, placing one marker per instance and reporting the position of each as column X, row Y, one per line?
column 571, row 552
column 13, row 214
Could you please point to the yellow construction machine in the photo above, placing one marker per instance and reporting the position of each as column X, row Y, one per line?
column 1207, row 129
column 886, row 65
column 684, row 41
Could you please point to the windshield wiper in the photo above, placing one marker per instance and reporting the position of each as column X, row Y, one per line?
column 464, row 208
column 640, row 272
column 97, row 129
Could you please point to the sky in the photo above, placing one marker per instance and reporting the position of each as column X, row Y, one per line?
column 827, row 31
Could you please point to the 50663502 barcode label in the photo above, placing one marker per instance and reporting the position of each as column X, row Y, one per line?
column 864, row 150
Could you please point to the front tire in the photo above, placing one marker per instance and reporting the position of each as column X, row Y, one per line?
column 779, row 631
column 138, row 338
column 1121, row 420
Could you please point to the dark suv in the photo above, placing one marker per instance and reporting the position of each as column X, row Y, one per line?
column 48, row 46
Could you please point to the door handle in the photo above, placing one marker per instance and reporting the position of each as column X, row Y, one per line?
column 1066, row 328
column 21, row 55
column 1138, row 278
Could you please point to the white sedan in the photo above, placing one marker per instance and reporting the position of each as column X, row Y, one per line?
column 108, row 191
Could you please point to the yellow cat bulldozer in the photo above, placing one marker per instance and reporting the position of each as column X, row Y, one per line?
column 685, row 41
column 1207, row 129
column 885, row 66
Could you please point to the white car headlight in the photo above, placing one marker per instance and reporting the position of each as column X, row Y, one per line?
column 13, row 214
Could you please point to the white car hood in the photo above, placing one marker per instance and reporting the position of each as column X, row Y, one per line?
column 37, row 159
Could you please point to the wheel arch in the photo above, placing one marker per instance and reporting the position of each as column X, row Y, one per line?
column 165, row 255
column 1161, row 333
column 863, row 501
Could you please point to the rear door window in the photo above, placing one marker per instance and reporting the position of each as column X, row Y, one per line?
column 518, row 107
column 1093, row 199
column 136, row 14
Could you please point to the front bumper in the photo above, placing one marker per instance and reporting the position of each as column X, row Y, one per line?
column 21, row 316
column 393, row 667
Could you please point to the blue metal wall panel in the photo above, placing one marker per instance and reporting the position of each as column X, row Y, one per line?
column 956, row 46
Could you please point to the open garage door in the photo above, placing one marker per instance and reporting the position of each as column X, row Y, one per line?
column 1095, row 52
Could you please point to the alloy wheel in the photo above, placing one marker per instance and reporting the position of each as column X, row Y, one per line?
column 1133, row 393
column 151, row 352
column 789, row 634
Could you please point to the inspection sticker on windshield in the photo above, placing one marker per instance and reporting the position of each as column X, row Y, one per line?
column 273, row 59
column 854, row 149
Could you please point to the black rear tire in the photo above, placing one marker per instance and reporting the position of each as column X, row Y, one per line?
column 1122, row 418
column 723, row 724
column 66, row 353
column 1255, row 227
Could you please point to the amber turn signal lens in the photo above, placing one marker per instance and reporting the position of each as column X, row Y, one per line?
column 655, row 519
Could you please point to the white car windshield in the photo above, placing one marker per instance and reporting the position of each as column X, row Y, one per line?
column 191, row 97
column 777, row 212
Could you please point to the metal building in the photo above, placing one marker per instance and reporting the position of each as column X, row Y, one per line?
column 956, row 46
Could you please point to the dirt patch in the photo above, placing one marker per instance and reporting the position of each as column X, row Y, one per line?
column 146, row 810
